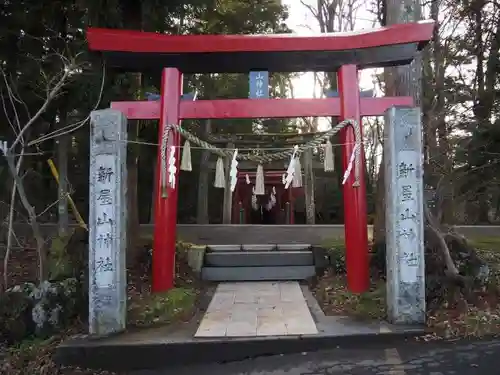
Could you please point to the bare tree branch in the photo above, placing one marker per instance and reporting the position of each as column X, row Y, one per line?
column 52, row 92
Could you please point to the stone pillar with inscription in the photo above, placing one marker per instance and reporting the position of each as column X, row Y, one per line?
column 107, row 222
column 404, row 218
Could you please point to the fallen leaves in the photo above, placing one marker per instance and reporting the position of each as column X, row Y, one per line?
column 335, row 299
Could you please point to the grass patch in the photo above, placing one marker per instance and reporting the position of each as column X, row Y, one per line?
column 469, row 321
column 334, row 243
column 477, row 316
column 335, row 299
column 335, row 249
column 486, row 243
column 162, row 308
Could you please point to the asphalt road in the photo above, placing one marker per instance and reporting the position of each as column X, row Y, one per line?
column 464, row 358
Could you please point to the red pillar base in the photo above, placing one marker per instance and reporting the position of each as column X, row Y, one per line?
column 165, row 224
column 355, row 220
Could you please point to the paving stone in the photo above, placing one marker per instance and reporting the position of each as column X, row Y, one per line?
column 271, row 312
column 222, row 301
column 214, row 324
column 242, row 328
column 291, row 294
column 300, row 326
column 268, row 300
column 245, row 298
column 271, row 327
column 257, row 309
column 243, row 315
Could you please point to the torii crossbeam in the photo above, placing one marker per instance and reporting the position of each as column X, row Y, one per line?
column 344, row 53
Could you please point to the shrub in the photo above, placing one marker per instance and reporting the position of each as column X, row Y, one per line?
column 29, row 310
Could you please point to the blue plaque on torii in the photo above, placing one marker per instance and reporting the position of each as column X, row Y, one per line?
column 259, row 85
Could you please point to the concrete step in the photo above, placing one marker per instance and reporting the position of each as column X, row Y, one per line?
column 259, row 258
column 213, row 248
column 269, row 273
column 259, row 247
column 293, row 246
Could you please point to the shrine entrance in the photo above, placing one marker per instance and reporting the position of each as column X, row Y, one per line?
column 274, row 207
column 175, row 55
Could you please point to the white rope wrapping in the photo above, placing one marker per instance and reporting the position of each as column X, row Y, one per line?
column 266, row 158
column 163, row 159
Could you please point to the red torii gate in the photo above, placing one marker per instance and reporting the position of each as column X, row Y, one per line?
column 341, row 52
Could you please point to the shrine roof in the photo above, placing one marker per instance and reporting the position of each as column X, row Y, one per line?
column 143, row 51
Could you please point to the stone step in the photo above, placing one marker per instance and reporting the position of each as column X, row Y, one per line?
column 258, row 247
column 213, row 248
column 268, row 273
column 259, row 258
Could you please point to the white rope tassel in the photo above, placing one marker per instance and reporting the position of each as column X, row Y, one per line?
column 172, row 168
column 186, row 157
column 328, row 163
column 233, row 172
column 290, row 171
column 348, row 170
column 220, row 179
column 259, row 181
column 297, row 175
column 163, row 156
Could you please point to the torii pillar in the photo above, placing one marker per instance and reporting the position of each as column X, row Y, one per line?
column 355, row 220
column 166, row 196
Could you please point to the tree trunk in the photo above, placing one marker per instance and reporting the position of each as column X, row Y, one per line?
column 484, row 208
column 133, row 224
column 132, row 18
column 441, row 154
column 399, row 81
column 63, row 147
column 202, row 209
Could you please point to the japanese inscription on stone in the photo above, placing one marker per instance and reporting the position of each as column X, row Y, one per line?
column 107, row 222
column 404, row 215
column 406, row 218
column 105, row 231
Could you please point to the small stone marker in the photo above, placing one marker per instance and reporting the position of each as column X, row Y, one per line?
column 107, row 222
column 404, row 218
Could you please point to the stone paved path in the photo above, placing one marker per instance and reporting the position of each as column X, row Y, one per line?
column 257, row 309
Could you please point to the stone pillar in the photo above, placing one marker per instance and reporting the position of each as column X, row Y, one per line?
column 107, row 222
column 404, row 216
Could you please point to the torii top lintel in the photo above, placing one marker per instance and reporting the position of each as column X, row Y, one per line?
column 138, row 51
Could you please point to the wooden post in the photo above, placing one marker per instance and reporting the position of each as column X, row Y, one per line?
column 309, row 188
column 228, row 194
column 241, row 213
column 203, row 183
column 107, row 222
column 404, row 219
